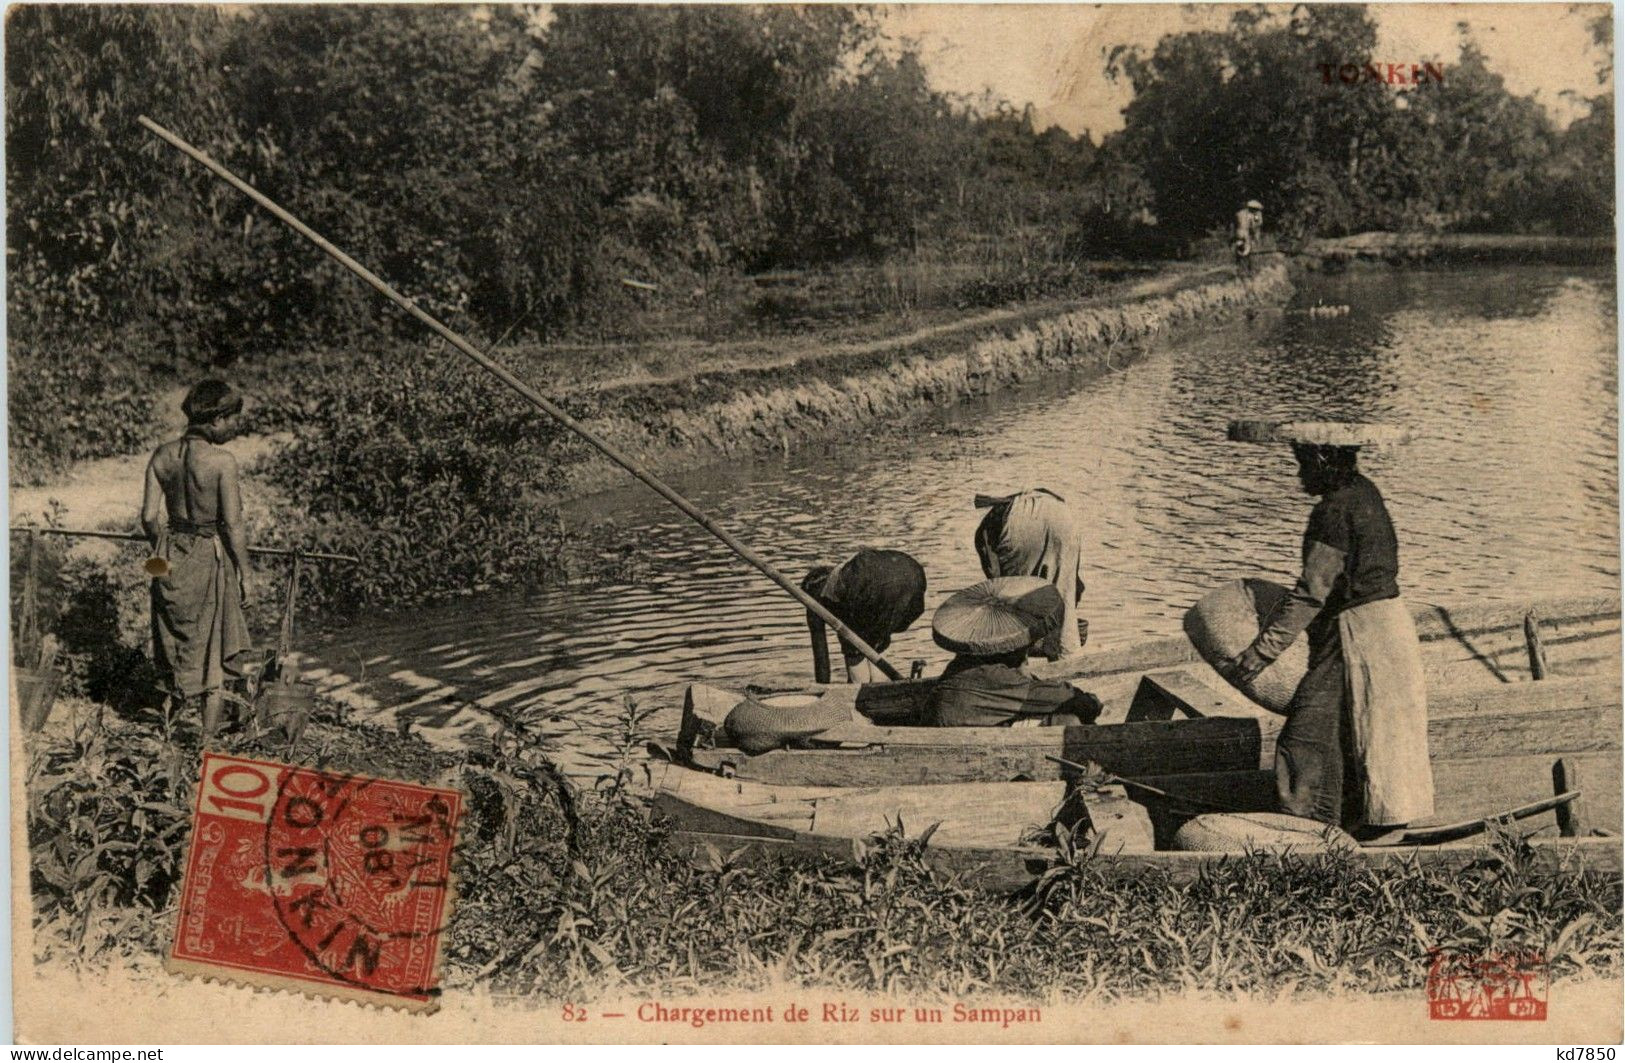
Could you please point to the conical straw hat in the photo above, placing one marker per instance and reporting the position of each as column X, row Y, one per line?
column 1319, row 433
column 999, row 615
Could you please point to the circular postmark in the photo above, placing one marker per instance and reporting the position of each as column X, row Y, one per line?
column 359, row 871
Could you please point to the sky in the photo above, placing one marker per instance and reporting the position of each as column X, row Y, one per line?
column 1053, row 56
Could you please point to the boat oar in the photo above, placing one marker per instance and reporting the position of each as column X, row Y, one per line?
column 1449, row 832
column 524, row 390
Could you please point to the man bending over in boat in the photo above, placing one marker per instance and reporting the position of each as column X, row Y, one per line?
column 991, row 628
column 1035, row 533
column 876, row 593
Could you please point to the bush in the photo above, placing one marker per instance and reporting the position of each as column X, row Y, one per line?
column 71, row 403
column 428, row 471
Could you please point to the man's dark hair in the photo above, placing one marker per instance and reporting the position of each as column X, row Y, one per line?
column 210, row 400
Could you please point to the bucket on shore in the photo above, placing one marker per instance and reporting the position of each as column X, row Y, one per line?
column 1225, row 622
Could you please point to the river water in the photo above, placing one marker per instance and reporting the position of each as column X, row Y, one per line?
column 1511, row 493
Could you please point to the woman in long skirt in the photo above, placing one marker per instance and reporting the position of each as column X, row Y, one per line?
column 1354, row 748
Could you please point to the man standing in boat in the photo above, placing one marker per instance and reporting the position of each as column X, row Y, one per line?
column 1035, row 533
column 992, row 628
column 1354, row 750
column 876, row 593
column 192, row 513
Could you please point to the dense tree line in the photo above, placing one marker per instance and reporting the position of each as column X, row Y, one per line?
column 1264, row 110
column 504, row 168
column 507, row 165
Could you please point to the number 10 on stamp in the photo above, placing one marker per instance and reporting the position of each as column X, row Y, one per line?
column 319, row 881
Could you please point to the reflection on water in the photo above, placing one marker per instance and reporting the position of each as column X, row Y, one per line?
column 1510, row 494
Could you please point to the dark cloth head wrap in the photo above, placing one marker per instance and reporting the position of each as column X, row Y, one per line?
column 877, row 593
column 209, row 400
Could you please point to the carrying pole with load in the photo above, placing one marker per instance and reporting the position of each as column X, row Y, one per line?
column 525, row 391
column 137, row 537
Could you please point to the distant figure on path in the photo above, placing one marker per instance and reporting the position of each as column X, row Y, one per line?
column 876, row 593
column 1035, row 533
column 192, row 514
column 1354, row 750
column 991, row 628
column 1248, row 229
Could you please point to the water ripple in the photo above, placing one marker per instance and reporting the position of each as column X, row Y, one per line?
column 1510, row 375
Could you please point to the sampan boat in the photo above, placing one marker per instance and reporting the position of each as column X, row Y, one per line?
column 999, row 835
column 1499, row 738
column 1166, row 712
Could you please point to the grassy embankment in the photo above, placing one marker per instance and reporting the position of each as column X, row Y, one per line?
column 1425, row 249
column 444, row 483
column 580, row 895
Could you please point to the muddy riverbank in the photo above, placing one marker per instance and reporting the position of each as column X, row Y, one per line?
column 711, row 417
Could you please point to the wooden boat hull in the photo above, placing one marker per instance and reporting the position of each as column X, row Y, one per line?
column 1498, row 740
column 990, row 816
column 1493, row 733
column 992, row 834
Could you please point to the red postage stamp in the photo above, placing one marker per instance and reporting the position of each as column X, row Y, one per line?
column 316, row 880
column 1509, row 986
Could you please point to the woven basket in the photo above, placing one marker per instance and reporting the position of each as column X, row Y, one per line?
column 1226, row 622
column 1235, row 832
column 757, row 726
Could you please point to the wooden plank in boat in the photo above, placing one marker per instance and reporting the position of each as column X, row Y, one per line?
column 985, row 813
column 994, row 814
column 1443, row 622
column 1478, row 786
column 1463, row 788
column 1165, row 694
column 997, row 815
column 1495, row 699
column 919, row 755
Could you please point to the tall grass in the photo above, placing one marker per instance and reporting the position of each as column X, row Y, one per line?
column 568, row 892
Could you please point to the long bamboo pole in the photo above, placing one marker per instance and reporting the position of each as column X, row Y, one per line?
column 137, row 537
column 525, row 391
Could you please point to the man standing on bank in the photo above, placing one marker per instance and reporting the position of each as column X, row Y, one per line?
column 192, row 513
column 1354, row 750
column 1248, row 229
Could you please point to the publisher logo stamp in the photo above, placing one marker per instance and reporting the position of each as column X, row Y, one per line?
column 1509, row 986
